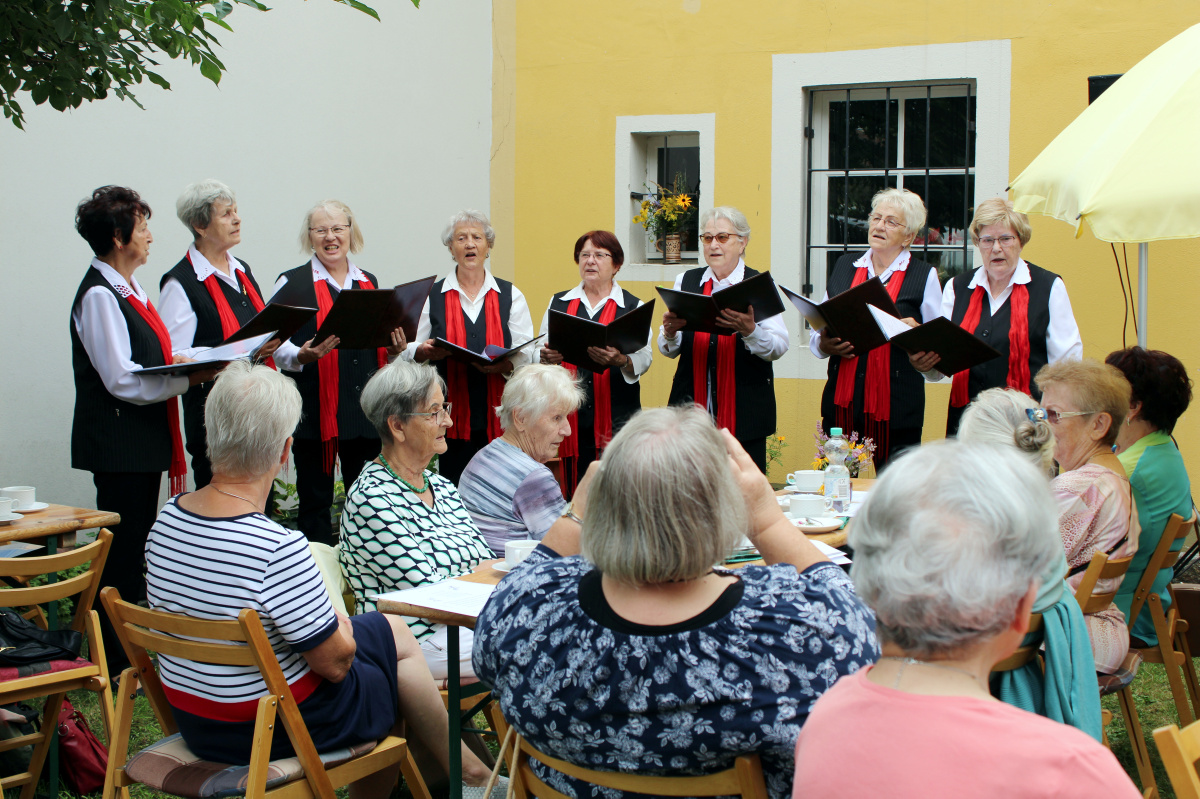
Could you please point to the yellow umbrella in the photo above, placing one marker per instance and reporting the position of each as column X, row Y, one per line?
column 1129, row 164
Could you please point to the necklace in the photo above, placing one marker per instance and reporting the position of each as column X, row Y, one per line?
column 403, row 482
column 905, row 662
column 235, row 496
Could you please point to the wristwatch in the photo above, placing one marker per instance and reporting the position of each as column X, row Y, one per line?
column 569, row 513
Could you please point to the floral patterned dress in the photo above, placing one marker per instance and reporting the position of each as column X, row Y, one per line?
column 1096, row 513
column 683, row 701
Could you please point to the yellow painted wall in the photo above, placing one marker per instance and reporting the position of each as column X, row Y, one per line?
column 564, row 71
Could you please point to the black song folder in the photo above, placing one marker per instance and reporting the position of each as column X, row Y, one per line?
column 572, row 335
column 846, row 316
column 959, row 349
column 701, row 311
column 285, row 320
column 364, row 318
column 491, row 353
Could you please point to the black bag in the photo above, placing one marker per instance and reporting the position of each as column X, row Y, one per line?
column 22, row 642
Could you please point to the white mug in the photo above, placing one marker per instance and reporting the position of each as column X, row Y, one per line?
column 5, row 507
column 807, row 480
column 807, row 505
column 21, row 496
column 517, row 551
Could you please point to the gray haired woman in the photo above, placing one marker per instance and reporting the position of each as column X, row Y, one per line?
column 402, row 525
column 952, row 583
column 472, row 308
column 507, row 487
column 651, row 659
column 207, row 296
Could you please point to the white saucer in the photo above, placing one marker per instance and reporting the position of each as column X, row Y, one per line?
column 10, row 518
column 35, row 507
column 501, row 566
column 791, row 489
column 821, row 524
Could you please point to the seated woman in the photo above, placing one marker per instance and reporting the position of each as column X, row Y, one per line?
column 507, row 487
column 403, row 525
column 213, row 552
column 1066, row 689
column 952, row 584
column 1160, row 392
column 641, row 656
column 1086, row 402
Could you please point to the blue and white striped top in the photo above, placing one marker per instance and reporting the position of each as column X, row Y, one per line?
column 509, row 495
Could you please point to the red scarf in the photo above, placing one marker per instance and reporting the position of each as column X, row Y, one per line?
column 877, row 389
column 1018, row 343
column 726, row 381
column 229, row 322
column 328, row 375
column 460, row 398
column 601, row 394
column 177, row 473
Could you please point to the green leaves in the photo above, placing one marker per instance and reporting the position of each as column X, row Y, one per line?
column 67, row 51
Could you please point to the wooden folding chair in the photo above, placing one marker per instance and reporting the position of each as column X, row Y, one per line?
column 1172, row 650
column 1026, row 653
column 1180, row 749
column 235, row 643
column 743, row 778
column 91, row 674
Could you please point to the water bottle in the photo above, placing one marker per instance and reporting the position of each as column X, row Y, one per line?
column 837, row 476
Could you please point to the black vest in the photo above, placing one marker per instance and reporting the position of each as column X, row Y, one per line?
column 626, row 397
column 355, row 367
column 208, row 333
column 907, row 384
column 755, row 413
column 110, row 434
column 476, row 341
column 994, row 331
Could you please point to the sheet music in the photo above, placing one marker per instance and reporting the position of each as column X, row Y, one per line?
column 451, row 596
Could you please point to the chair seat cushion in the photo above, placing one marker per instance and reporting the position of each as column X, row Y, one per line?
column 1123, row 676
column 46, row 667
column 169, row 766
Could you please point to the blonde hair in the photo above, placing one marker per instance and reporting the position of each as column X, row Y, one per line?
column 999, row 211
column 1093, row 386
column 331, row 207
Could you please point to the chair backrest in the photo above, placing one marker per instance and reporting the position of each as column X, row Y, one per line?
column 1101, row 568
column 1180, row 749
column 744, row 778
column 1163, row 558
column 230, row 643
column 82, row 586
column 1027, row 652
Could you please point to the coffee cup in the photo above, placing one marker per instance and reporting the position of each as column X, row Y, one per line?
column 806, row 505
column 807, row 480
column 5, row 507
column 22, row 497
column 517, row 551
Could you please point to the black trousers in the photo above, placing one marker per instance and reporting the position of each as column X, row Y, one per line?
column 453, row 462
column 134, row 495
column 756, row 448
column 201, row 469
column 314, row 488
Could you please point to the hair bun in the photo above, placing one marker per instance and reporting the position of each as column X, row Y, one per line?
column 1031, row 436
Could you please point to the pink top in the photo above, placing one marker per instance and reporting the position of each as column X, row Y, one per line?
column 863, row 739
column 1095, row 512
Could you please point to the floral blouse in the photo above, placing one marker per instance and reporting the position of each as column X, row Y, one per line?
column 684, row 702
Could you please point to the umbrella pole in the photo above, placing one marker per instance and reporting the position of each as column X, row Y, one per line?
column 1143, row 300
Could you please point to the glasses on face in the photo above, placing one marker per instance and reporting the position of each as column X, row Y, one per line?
column 707, row 238
column 445, row 409
column 598, row 256
column 889, row 222
column 986, row 242
column 336, row 230
column 1051, row 416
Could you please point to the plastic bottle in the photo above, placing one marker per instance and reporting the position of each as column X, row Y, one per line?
column 837, row 476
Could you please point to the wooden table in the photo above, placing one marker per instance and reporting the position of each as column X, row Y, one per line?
column 61, row 521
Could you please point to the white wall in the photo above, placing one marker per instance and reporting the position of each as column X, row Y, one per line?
column 393, row 118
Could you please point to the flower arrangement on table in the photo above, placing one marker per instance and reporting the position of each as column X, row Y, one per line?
column 666, row 211
column 859, row 461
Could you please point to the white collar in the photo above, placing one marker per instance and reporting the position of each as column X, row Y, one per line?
column 736, row 276
column 489, row 283
column 900, row 264
column 1019, row 275
column 118, row 282
column 616, row 295
column 321, row 273
column 203, row 268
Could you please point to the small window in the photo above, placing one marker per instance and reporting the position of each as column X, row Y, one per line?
column 670, row 159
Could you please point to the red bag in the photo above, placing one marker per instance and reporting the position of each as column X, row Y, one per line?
column 84, row 759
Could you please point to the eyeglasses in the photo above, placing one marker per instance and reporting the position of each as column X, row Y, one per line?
column 1053, row 417
column 445, row 409
column 986, row 242
column 599, row 256
column 889, row 222
column 336, row 230
column 707, row 238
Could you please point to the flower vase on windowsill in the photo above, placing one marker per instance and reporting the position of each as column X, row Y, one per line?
column 672, row 247
column 664, row 213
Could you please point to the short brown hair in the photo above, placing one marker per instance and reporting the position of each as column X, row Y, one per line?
column 1106, row 389
column 604, row 239
column 998, row 211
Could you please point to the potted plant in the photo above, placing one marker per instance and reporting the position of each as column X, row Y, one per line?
column 664, row 214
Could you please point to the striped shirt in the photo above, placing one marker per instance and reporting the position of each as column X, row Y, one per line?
column 510, row 495
column 213, row 568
